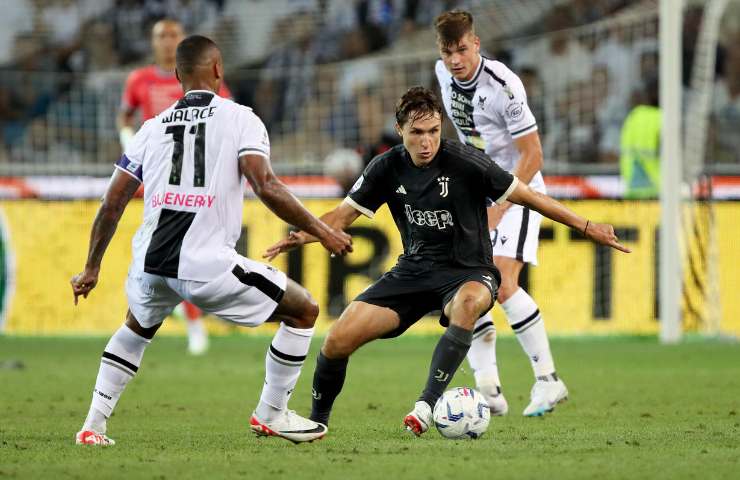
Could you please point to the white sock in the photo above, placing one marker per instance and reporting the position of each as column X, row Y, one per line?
column 524, row 317
column 482, row 353
column 196, row 327
column 283, row 364
column 120, row 361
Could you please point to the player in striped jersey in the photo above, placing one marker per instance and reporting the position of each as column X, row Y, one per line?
column 488, row 107
column 192, row 158
column 149, row 90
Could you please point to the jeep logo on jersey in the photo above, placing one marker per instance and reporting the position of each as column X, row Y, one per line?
column 430, row 218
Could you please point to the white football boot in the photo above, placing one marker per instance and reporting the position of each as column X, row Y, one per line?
column 419, row 419
column 88, row 437
column 290, row 426
column 494, row 397
column 545, row 395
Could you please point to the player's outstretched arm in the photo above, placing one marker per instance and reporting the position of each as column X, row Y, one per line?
column 285, row 205
column 598, row 232
column 120, row 191
column 339, row 219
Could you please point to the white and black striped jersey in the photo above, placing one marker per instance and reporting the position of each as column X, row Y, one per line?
column 489, row 111
column 187, row 158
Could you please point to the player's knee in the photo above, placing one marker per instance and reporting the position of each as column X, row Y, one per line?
column 506, row 290
column 312, row 309
column 337, row 345
column 466, row 310
column 308, row 314
column 136, row 327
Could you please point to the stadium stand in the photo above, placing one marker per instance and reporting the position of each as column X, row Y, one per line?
column 322, row 74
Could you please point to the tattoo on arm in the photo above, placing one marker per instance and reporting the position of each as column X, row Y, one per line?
column 122, row 189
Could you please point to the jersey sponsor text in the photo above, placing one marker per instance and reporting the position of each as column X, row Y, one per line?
column 431, row 218
column 183, row 200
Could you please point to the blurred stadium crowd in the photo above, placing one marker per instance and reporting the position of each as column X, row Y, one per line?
column 323, row 74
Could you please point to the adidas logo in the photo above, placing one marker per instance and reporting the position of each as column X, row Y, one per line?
column 401, row 190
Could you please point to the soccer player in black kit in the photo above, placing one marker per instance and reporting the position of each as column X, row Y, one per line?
column 437, row 191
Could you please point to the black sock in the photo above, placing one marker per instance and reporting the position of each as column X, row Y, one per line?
column 447, row 357
column 328, row 380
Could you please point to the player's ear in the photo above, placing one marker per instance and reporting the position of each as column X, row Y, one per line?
column 218, row 70
column 398, row 129
column 177, row 75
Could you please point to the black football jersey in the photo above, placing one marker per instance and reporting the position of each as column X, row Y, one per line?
column 439, row 209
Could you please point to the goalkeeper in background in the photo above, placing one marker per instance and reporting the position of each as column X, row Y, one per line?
column 150, row 90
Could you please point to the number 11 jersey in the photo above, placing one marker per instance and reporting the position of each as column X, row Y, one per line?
column 187, row 157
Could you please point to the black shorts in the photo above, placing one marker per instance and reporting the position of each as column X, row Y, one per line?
column 413, row 289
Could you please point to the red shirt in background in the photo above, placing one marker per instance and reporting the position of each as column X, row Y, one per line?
column 153, row 90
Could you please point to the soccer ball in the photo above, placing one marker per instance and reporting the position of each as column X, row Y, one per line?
column 461, row 413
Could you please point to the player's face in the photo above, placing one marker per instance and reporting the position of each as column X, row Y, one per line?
column 462, row 59
column 421, row 137
column 165, row 37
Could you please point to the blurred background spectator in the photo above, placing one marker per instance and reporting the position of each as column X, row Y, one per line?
column 640, row 145
column 323, row 74
column 725, row 133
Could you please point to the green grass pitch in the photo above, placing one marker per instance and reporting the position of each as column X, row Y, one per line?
column 637, row 410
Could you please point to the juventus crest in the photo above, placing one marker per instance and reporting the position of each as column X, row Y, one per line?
column 443, row 183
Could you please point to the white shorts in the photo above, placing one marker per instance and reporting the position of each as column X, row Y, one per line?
column 517, row 234
column 246, row 294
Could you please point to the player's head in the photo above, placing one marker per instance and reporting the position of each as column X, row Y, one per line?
column 459, row 46
column 199, row 64
column 419, row 123
column 166, row 34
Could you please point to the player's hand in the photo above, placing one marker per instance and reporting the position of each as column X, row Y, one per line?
column 294, row 240
column 337, row 242
column 603, row 233
column 84, row 282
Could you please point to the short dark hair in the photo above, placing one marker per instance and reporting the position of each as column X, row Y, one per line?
column 416, row 103
column 452, row 26
column 190, row 53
